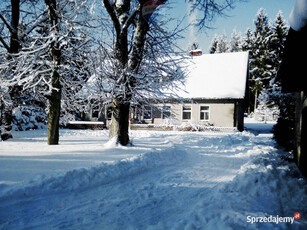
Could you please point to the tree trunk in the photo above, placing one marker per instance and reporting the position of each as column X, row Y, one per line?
column 256, row 99
column 6, row 118
column 54, row 110
column 55, row 97
column 119, row 127
column 7, row 105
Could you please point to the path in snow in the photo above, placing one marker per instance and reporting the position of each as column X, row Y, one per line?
column 182, row 180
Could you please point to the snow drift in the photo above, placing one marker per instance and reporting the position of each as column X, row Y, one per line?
column 105, row 173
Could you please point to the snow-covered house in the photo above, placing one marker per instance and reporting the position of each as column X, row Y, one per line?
column 214, row 93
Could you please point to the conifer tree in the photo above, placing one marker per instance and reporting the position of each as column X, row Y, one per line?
column 235, row 42
column 257, row 42
column 213, row 45
column 222, row 45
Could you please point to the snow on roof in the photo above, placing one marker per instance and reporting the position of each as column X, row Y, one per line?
column 217, row 76
column 298, row 15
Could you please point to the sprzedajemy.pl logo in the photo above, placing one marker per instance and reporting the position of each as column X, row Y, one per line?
column 273, row 219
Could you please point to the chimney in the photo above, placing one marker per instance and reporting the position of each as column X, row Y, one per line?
column 196, row 52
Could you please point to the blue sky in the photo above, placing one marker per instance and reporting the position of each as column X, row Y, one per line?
column 241, row 18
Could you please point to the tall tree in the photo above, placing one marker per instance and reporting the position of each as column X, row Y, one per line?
column 213, row 45
column 122, row 18
column 55, row 97
column 219, row 44
column 235, row 41
column 52, row 62
column 257, row 42
column 277, row 40
column 129, row 53
column 13, row 48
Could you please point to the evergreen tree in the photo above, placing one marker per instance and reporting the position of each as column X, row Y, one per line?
column 235, row 42
column 257, row 43
column 213, row 45
column 277, row 40
column 261, row 65
column 284, row 129
column 222, row 45
column 248, row 45
column 219, row 44
column 248, row 41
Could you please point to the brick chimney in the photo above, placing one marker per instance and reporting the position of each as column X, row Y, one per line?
column 196, row 52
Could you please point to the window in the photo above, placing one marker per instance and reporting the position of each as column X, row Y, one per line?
column 166, row 112
column 95, row 111
column 186, row 113
column 204, row 113
column 147, row 112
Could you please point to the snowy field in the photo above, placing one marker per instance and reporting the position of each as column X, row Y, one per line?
column 166, row 180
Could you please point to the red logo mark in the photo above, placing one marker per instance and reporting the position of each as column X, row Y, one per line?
column 297, row 216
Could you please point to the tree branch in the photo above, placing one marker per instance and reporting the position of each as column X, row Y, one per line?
column 112, row 13
column 7, row 24
column 41, row 19
column 4, row 44
column 131, row 18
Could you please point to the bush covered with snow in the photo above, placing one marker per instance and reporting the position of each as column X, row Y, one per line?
column 191, row 127
column 27, row 117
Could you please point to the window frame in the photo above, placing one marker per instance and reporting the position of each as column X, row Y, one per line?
column 187, row 109
column 147, row 110
column 204, row 111
column 166, row 109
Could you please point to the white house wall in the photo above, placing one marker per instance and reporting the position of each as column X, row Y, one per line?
column 220, row 114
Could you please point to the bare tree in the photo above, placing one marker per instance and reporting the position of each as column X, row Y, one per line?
column 135, row 36
column 55, row 97
column 139, row 62
column 52, row 62
column 12, row 48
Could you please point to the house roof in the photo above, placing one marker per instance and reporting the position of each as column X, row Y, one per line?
column 298, row 15
column 216, row 76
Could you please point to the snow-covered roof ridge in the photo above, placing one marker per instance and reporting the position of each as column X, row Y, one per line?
column 298, row 15
column 217, row 76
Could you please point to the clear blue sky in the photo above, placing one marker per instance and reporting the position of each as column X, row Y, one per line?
column 241, row 18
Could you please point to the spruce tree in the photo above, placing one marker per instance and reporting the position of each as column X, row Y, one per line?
column 284, row 129
column 213, row 45
column 222, row 45
column 257, row 43
column 277, row 40
column 235, row 42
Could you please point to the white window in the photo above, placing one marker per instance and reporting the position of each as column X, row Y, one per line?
column 204, row 113
column 186, row 113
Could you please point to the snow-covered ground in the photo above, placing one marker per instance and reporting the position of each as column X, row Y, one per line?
column 166, row 180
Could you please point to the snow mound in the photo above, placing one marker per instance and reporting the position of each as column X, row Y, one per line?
column 105, row 173
column 267, row 185
column 262, row 179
